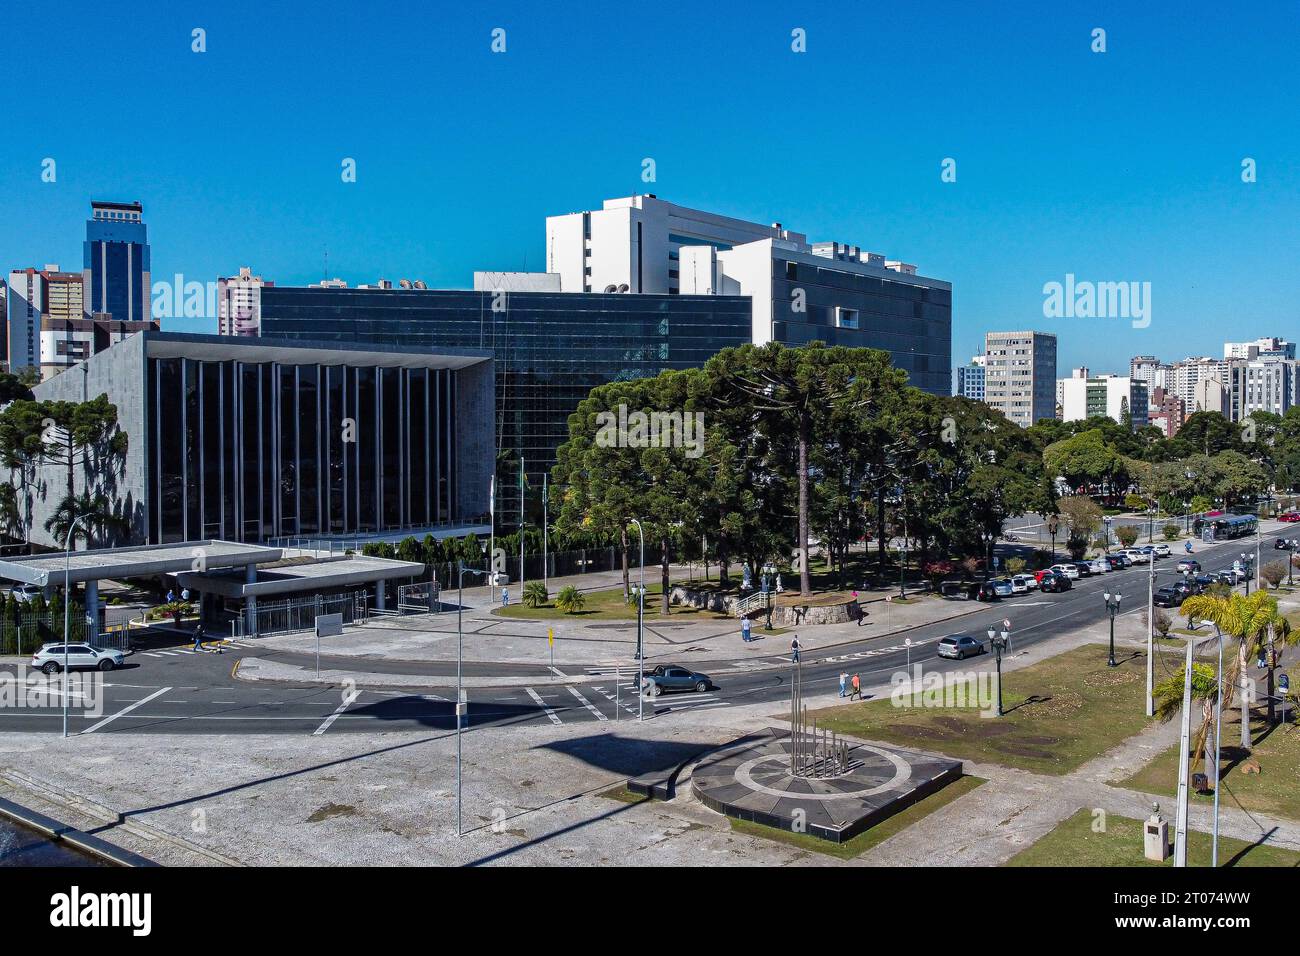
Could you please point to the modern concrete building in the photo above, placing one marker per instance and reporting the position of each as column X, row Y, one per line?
column 1111, row 396
column 1020, row 375
column 115, row 268
column 1185, row 376
column 1149, row 369
column 250, row 440
column 801, row 291
column 968, row 380
column 1169, row 409
column 239, row 303
column 1260, row 384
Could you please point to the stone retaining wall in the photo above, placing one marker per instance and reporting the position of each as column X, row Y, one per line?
column 782, row 616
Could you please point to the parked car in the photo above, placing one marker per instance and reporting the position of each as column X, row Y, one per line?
column 671, row 677
column 1162, row 550
column 1204, row 581
column 959, row 646
column 1003, row 586
column 1055, row 583
column 1169, row 596
column 1150, row 551
column 1028, row 580
column 1116, row 562
column 24, row 593
column 1044, row 573
column 1120, row 560
column 1071, row 571
column 982, row 591
column 1085, row 568
column 49, row 658
column 1187, row 564
column 1136, row 556
column 1099, row 566
column 1289, row 516
column 1283, row 544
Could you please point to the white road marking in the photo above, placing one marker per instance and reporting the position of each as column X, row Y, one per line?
column 347, row 702
column 557, row 672
column 542, row 704
column 588, row 704
column 125, row 710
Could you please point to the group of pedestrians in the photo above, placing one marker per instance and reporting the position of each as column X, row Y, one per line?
column 855, row 685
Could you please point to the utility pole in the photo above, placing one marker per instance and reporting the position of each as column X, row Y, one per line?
column 1184, row 760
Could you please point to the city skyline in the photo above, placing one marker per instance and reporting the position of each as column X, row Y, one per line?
column 1106, row 196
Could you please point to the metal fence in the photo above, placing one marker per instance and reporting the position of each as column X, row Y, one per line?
column 419, row 598
column 299, row 614
column 26, row 631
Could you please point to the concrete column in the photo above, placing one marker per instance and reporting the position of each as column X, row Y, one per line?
column 92, row 611
column 250, row 603
column 379, row 595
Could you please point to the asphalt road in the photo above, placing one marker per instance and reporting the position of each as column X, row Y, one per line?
column 174, row 690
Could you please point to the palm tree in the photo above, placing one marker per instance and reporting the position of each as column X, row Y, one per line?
column 1250, row 621
column 1169, row 702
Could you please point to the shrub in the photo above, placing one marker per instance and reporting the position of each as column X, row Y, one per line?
column 570, row 599
column 1127, row 535
column 1161, row 621
column 937, row 571
column 535, row 594
column 1016, row 565
column 1135, row 503
column 1273, row 573
column 1171, row 531
column 1041, row 559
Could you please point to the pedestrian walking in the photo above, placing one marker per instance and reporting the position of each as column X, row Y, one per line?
column 744, row 629
column 795, row 648
column 844, row 680
column 185, row 594
column 171, row 596
column 198, row 638
column 505, row 597
column 857, row 688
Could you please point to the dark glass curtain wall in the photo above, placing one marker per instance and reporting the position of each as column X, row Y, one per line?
column 248, row 452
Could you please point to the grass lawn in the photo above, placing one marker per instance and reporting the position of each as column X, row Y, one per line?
column 1274, row 791
column 623, row 795
column 1073, row 843
column 1060, row 713
column 866, row 840
column 608, row 605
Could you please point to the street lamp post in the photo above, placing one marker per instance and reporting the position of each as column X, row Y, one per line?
column 1245, row 563
column 1112, row 605
column 1106, row 521
column 1053, row 522
column 640, row 629
column 1151, row 638
column 67, row 609
column 1000, row 641
column 461, row 708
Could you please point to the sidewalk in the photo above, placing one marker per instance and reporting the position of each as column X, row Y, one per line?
column 603, row 644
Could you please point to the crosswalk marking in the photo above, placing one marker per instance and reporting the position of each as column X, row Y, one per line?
column 125, row 710
column 588, row 704
column 542, row 704
column 347, row 701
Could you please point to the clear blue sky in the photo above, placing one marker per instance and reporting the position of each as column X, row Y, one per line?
column 1117, row 166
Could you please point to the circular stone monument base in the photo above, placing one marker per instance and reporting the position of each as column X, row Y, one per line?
column 751, row 780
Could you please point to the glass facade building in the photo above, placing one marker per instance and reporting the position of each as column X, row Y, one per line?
column 909, row 317
column 115, row 263
column 250, row 439
column 550, row 348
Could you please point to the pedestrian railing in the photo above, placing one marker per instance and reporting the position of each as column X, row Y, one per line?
column 299, row 614
column 758, row 601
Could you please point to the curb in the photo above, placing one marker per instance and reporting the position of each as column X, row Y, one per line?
column 62, row 833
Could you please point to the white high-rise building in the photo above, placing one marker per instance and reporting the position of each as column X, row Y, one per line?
column 1262, row 384
column 24, row 306
column 1019, row 375
column 1149, row 369
column 1111, row 396
column 799, row 291
column 239, row 303
column 1270, row 347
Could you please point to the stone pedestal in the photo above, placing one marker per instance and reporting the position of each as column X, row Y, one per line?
column 1155, row 838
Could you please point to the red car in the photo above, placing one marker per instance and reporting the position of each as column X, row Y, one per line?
column 1289, row 516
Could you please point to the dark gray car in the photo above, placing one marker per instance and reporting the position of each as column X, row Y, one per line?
column 671, row 677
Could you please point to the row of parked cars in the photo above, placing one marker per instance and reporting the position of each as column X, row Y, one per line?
column 1196, row 581
column 1059, row 577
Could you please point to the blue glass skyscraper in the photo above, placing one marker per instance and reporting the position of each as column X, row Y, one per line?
column 115, row 268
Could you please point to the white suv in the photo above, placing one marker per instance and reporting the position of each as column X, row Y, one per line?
column 50, row 658
column 1136, row 556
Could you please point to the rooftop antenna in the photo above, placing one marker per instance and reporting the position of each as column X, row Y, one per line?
column 325, row 276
